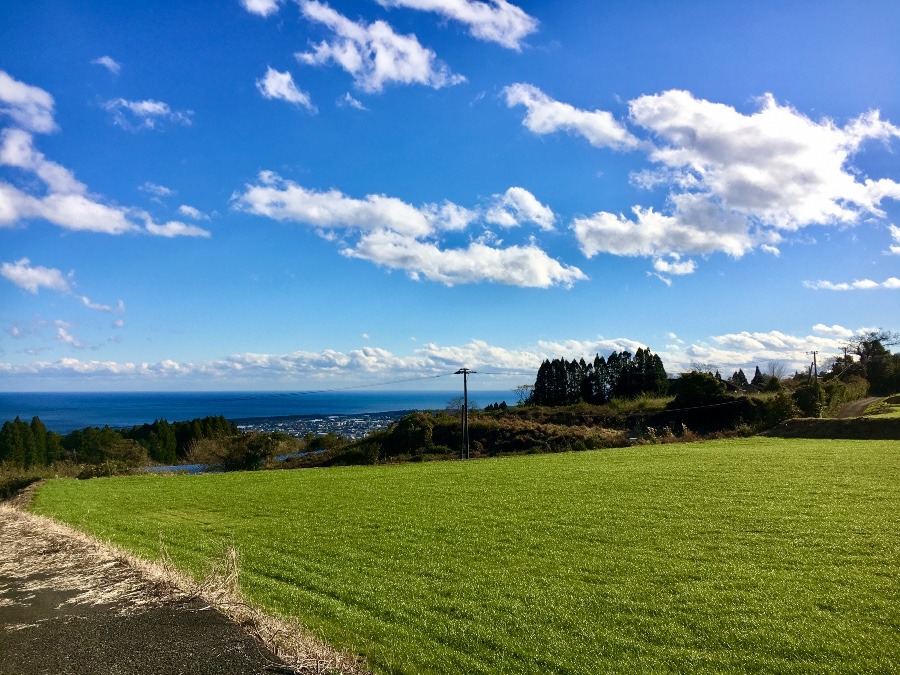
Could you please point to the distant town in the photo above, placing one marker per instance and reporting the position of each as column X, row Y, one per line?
column 348, row 426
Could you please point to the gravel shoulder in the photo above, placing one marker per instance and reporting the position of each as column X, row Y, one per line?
column 72, row 605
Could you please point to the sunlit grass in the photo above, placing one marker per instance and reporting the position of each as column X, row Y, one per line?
column 758, row 554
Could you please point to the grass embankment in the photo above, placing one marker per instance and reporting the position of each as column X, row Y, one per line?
column 888, row 408
column 743, row 555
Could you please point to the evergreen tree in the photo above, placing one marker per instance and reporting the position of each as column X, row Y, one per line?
column 39, row 434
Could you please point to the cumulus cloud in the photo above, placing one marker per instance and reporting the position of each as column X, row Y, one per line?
column 109, row 63
column 398, row 235
column 278, row 85
column 546, row 115
column 775, row 165
column 31, row 108
column 285, row 200
column 748, row 349
column 261, row 7
column 834, row 330
column 526, row 266
column 24, row 275
column 147, row 114
column 858, row 285
column 373, row 53
column 516, row 206
column 493, row 21
column 736, row 181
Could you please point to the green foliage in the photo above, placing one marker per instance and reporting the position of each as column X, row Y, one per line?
column 838, row 392
column 698, row 388
column 561, row 382
column 25, row 445
column 244, row 452
column 760, row 555
column 810, row 399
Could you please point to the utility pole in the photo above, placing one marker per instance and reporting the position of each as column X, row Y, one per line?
column 464, row 452
column 815, row 366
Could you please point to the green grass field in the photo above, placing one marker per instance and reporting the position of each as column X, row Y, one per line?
column 764, row 555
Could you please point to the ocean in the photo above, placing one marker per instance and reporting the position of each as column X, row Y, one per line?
column 64, row 412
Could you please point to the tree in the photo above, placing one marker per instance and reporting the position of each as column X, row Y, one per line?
column 696, row 389
column 810, row 399
column 39, row 434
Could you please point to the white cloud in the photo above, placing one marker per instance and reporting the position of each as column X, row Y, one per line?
column 261, row 7
column 23, row 275
column 70, row 211
column 373, row 53
column 17, row 150
column 347, row 101
column 277, row 85
column 147, row 114
column 61, row 198
column 728, row 352
column 546, row 116
column 448, row 216
column 516, row 206
column 835, row 330
column 398, row 235
column 109, row 63
column 737, row 181
column 29, row 107
column 175, row 228
column 191, row 212
column 747, row 350
column 284, row 200
column 895, row 235
column 775, row 165
column 858, row 285
column 66, row 337
column 672, row 265
column 156, row 189
column 526, row 266
column 698, row 226
column 494, row 21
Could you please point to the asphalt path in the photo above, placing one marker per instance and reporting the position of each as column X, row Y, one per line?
column 68, row 607
column 856, row 408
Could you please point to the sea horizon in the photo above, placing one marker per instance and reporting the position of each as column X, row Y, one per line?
column 63, row 412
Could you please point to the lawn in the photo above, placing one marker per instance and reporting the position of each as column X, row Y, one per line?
column 744, row 555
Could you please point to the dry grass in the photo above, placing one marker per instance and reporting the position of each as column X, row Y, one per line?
column 37, row 551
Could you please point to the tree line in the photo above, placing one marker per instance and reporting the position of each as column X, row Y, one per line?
column 24, row 445
column 621, row 375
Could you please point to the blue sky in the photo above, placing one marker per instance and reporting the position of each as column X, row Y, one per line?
column 254, row 194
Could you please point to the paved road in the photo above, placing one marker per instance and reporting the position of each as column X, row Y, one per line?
column 68, row 608
column 857, row 408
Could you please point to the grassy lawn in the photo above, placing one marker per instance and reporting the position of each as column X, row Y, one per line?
column 759, row 554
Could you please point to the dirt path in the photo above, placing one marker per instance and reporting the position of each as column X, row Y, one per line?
column 70, row 605
column 856, row 408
